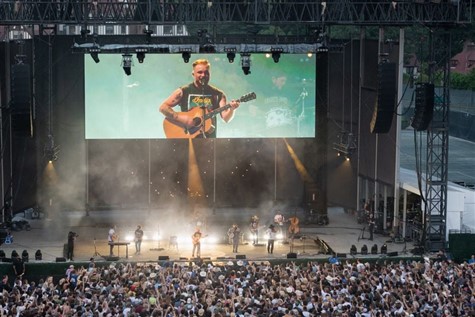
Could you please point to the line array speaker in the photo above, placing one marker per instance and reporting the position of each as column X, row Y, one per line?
column 386, row 103
column 21, row 124
column 20, row 88
column 424, row 106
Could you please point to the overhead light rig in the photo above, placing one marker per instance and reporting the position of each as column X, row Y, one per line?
column 87, row 48
column 346, row 144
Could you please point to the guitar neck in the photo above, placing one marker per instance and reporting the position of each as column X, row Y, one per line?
column 216, row 111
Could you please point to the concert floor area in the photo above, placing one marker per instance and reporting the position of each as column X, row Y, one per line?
column 49, row 236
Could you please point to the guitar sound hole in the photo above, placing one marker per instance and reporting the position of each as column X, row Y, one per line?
column 196, row 121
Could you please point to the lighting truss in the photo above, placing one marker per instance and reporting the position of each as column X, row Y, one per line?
column 346, row 144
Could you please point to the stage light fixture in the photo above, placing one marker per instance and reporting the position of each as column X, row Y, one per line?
column 148, row 34
column 127, row 64
column 231, row 57
column 95, row 54
column 85, row 33
column 276, row 54
column 186, row 56
column 38, row 255
column 246, row 63
column 140, row 57
column 95, row 57
column 51, row 151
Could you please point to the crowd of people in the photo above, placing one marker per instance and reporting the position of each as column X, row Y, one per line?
column 430, row 287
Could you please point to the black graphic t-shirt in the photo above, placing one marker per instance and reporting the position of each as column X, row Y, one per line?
column 207, row 97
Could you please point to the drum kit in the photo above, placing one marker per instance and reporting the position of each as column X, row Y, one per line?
column 277, row 117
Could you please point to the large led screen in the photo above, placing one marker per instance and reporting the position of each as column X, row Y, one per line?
column 124, row 107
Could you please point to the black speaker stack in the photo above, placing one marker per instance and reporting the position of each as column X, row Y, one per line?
column 424, row 106
column 386, row 103
column 21, row 97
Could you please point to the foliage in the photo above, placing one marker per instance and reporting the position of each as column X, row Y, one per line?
column 463, row 81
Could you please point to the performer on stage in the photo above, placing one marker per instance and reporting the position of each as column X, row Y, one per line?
column 111, row 238
column 371, row 224
column 196, row 239
column 272, row 233
column 71, row 239
column 293, row 227
column 235, row 236
column 254, row 227
column 138, row 236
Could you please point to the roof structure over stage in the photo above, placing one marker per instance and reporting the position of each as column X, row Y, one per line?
column 219, row 14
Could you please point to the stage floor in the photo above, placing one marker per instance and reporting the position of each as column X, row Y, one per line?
column 50, row 234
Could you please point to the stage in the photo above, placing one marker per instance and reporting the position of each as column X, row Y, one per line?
column 314, row 241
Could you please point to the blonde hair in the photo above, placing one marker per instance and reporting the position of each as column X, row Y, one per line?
column 201, row 61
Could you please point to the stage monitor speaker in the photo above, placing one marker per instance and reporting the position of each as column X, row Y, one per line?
column 20, row 88
column 424, row 106
column 240, row 257
column 417, row 251
column 163, row 258
column 341, row 255
column 111, row 258
column 374, row 249
column 385, row 106
column 61, row 259
column 291, row 255
column 364, row 249
column 395, row 253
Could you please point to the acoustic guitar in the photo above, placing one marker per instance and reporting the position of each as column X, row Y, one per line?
column 176, row 130
column 196, row 238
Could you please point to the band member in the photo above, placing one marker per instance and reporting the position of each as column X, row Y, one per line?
column 71, row 239
column 235, row 236
column 196, row 239
column 271, row 233
column 230, row 235
column 293, row 227
column 371, row 223
column 138, row 236
column 111, row 239
column 254, row 228
column 198, row 94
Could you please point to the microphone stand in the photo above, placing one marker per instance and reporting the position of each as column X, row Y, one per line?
column 203, row 110
column 303, row 95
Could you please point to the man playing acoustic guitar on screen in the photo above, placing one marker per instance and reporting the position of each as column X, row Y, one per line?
column 199, row 102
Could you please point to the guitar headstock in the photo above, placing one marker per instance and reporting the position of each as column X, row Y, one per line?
column 248, row 97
